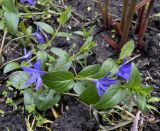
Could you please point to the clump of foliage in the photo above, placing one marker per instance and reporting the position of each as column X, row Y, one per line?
column 142, row 10
column 44, row 73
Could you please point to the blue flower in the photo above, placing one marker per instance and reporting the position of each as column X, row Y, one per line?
column 124, row 70
column 103, row 83
column 27, row 55
column 39, row 36
column 36, row 74
column 32, row 2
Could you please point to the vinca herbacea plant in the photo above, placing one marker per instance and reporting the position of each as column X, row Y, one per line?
column 43, row 73
column 103, row 86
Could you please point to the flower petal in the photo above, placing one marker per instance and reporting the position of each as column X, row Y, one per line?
column 29, row 70
column 21, row 1
column 32, row 2
column 27, row 55
column 25, row 51
column 105, row 77
column 31, row 80
column 108, row 82
column 124, row 71
column 39, row 82
column 39, row 37
column 101, row 90
column 124, row 62
column 37, row 65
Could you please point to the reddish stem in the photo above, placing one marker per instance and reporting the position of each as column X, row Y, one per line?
column 127, row 23
column 139, row 20
column 142, row 3
column 112, row 43
column 144, row 24
column 118, row 29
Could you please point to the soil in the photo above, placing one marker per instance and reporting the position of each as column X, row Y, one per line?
column 77, row 116
column 12, row 120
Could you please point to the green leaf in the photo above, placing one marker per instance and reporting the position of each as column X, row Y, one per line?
column 11, row 20
column 28, row 97
column 135, row 78
column 61, row 81
column 43, row 56
column 2, row 25
column 89, row 95
column 9, row 6
column 89, row 71
column 108, row 66
column 64, row 34
column 88, row 44
column 140, row 101
column 18, row 79
column 79, row 33
column 113, row 96
column 150, row 107
column 60, row 65
column 59, row 52
column 44, row 101
column 11, row 66
column 145, row 91
column 46, row 27
column 79, row 88
column 126, row 50
column 154, row 99
column 42, row 46
column 64, row 16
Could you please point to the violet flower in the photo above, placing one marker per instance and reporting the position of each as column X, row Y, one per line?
column 36, row 74
column 32, row 2
column 103, row 83
column 27, row 56
column 39, row 36
column 124, row 70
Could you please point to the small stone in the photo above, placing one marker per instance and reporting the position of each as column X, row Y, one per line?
column 89, row 9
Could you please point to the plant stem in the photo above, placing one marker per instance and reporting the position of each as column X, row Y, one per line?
column 104, row 12
column 70, row 94
column 142, row 3
column 3, row 41
column 106, row 17
column 141, row 12
column 128, row 22
column 39, row 13
column 54, row 35
column 124, row 12
column 144, row 25
column 11, row 61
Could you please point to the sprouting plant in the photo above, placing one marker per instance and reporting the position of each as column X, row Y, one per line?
column 104, row 10
column 143, row 10
column 122, row 27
